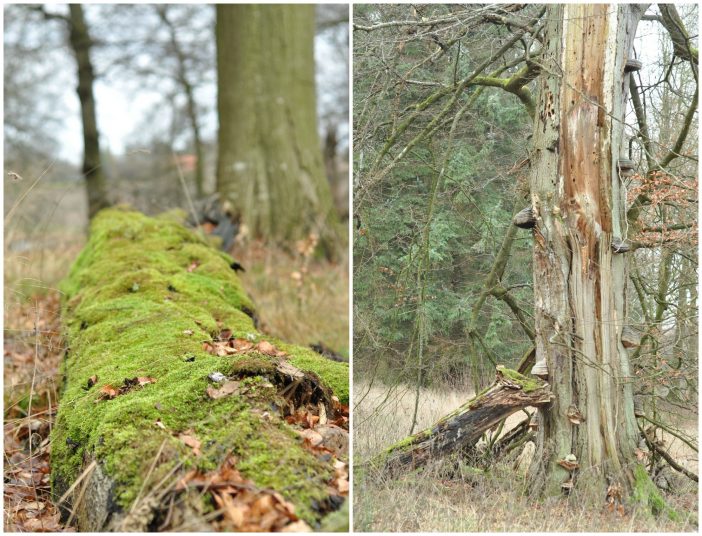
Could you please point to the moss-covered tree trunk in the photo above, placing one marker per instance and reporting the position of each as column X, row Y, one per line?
column 174, row 405
column 81, row 44
column 579, row 281
column 270, row 160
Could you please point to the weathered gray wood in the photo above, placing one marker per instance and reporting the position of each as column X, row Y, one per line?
column 579, row 283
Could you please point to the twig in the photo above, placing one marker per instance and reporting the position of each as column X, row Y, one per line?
column 668, row 458
column 151, row 470
column 85, row 473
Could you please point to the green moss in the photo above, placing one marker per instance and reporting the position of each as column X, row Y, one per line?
column 528, row 384
column 646, row 494
column 139, row 301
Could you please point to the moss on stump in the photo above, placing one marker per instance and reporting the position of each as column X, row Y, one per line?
column 140, row 301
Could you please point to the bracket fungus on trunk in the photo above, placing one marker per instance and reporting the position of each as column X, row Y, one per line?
column 525, row 219
column 632, row 65
column 619, row 245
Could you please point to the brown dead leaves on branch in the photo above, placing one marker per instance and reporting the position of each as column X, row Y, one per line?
column 678, row 195
column 108, row 392
column 227, row 344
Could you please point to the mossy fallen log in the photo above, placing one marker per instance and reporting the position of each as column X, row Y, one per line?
column 175, row 411
column 462, row 428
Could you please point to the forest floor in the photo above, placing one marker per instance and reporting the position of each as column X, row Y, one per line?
column 498, row 501
column 302, row 300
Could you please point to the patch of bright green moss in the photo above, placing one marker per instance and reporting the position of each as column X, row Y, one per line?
column 139, row 301
column 528, row 384
column 646, row 494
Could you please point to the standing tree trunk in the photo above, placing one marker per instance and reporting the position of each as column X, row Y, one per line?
column 579, row 282
column 81, row 45
column 270, row 163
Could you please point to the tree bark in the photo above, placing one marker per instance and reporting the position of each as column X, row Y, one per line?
column 579, row 284
column 270, row 161
column 508, row 394
column 81, row 44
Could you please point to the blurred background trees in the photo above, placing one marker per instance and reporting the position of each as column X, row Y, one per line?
column 154, row 80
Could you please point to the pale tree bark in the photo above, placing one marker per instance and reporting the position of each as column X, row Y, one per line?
column 270, row 161
column 579, row 283
column 81, row 44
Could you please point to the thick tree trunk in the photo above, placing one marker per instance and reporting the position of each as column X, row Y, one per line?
column 579, row 282
column 462, row 428
column 172, row 399
column 81, row 43
column 270, row 162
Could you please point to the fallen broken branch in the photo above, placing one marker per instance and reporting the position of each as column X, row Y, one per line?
column 462, row 428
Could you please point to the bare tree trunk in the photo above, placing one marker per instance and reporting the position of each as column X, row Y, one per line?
column 81, row 44
column 579, row 282
column 270, row 162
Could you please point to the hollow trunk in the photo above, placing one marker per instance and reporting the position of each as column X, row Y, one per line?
column 579, row 281
column 270, row 161
column 81, row 44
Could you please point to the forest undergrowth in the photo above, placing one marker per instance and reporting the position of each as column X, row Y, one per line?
column 301, row 298
column 442, row 498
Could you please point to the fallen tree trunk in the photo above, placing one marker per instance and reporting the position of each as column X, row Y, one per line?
column 176, row 413
column 463, row 427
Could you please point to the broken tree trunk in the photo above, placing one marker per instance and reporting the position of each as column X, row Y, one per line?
column 463, row 427
column 174, row 404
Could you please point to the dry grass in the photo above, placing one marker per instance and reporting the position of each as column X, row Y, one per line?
column 300, row 299
column 432, row 502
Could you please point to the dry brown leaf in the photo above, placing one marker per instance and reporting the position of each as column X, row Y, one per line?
column 267, row 348
column 108, row 393
column 188, row 332
column 227, row 389
column 191, row 441
column 315, row 438
column 145, row 380
column 241, row 345
column 225, row 335
column 297, row 526
column 193, row 265
column 342, row 485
